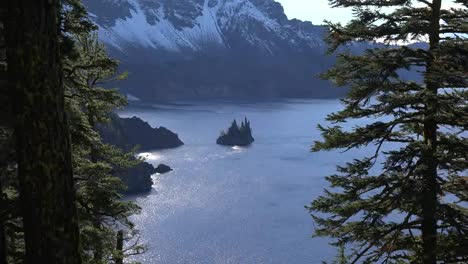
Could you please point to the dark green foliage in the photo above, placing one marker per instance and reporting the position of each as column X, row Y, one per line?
column 237, row 136
column 414, row 208
column 97, row 165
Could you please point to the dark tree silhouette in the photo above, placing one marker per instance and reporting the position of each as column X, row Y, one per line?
column 43, row 146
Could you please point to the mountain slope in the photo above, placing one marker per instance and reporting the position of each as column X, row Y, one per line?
column 212, row 48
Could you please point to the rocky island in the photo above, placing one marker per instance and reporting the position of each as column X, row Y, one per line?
column 163, row 168
column 126, row 133
column 237, row 136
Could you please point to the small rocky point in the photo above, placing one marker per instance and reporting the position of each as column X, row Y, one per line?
column 163, row 168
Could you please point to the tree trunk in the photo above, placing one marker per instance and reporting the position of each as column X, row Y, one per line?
column 42, row 132
column 429, row 197
column 3, row 245
column 94, row 156
column 6, row 159
column 120, row 240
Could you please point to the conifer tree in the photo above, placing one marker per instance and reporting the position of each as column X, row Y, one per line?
column 89, row 71
column 43, row 148
column 413, row 209
column 101, row 210
column 86, row 68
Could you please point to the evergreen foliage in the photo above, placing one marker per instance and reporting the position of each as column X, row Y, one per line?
column 97, row 165
column 413, row 209
column 341, row 257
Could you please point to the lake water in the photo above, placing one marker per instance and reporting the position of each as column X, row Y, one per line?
column 237, row 205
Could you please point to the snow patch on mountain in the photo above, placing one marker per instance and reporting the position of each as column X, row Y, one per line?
column 234, row 12
column 237, row 14
column 135, row 30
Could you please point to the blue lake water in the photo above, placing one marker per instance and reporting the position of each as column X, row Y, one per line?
column 237, row 205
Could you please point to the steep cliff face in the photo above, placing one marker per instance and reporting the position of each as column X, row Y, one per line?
column 137, row 179
column 212, row 48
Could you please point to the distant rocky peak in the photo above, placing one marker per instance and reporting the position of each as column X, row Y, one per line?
column 272, row 8
column 107, row 12
column 182, row 13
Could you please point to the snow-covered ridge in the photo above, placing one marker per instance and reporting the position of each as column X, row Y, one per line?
column 135, row 30
column 156, row 28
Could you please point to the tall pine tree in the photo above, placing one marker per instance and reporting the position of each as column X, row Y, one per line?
column 414, row 209
column 43, row 147
column 102, row 215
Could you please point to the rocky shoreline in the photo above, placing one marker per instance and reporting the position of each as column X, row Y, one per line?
column 130, row 133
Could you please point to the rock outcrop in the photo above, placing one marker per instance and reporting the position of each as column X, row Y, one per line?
column 163, row 168
column 138, row 179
